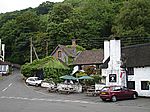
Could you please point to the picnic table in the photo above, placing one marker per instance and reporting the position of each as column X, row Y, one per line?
column 66, row 90
column 52, row 89
column 92, row 92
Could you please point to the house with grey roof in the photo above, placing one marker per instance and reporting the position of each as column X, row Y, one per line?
column 89, row 58
column 64, row 54
column 127, row 66
column 137, row 62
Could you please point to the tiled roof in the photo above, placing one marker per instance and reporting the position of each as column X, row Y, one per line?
column 4, row 63
column 137, row 55
column 68, row 51
column 89, row 57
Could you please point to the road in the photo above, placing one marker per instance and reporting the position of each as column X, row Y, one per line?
column 15, row 96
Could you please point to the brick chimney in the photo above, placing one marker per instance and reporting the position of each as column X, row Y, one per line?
column 74, row 43
column 74, row 47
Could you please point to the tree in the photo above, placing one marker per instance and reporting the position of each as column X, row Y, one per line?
column 133, row 21
column 44, row 8
column 51, row 67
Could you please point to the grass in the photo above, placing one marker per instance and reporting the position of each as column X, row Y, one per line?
column 1, row 78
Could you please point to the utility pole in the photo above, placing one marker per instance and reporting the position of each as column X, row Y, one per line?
column 35, row 53
column 46, row 48
column 3, row 51
column 31, row 50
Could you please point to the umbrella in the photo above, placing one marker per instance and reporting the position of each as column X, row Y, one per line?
column 85, row 77
column 69, row 77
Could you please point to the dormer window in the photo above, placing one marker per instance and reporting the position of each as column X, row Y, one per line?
column 59, row 54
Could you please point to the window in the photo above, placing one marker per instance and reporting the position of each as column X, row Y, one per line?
column 131, row 85
column 105, row 89
column 116, row 88
column 130, row 71
column 144, row 85
column 59, row 54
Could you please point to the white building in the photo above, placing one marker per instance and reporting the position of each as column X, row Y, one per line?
column 4, row 66
column 132, row 61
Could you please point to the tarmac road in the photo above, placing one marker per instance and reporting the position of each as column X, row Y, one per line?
column 15, row 96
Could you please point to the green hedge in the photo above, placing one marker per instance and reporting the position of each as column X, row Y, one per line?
column 52, row 68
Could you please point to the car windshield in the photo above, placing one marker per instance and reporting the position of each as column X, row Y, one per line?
column 36, row 78
column 105, row 89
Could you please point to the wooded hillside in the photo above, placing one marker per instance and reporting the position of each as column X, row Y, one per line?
column 89, row 21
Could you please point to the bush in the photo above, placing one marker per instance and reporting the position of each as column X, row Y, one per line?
column 51, row 67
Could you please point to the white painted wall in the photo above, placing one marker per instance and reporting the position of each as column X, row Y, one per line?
column 107, row 50
column 141, row 74
column 114, row 51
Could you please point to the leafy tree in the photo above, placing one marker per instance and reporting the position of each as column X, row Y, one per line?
column 44, row 8
column 89, row 21
column 133, row 21
column 52, row 68
column 28, row 22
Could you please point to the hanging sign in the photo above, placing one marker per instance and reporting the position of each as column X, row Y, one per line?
column 112, row 78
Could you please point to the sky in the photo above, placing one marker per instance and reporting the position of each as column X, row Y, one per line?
column 13, row 5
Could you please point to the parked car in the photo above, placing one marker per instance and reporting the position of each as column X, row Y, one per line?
column 47, row 84
column 114, row 93
column 35, row 81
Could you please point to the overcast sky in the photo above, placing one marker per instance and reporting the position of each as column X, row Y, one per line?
column 13, row 5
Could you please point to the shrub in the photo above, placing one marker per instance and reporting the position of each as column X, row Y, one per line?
column 51, row 67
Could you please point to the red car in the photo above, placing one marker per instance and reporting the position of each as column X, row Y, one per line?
column 114, row 93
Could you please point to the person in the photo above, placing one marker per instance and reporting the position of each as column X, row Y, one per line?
column 65, row 82
column 71, row 82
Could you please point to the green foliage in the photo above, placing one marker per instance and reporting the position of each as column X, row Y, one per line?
column 44, row 8
column 90, row 70
column 133, row 21
column 78, row 48
column 96, row 79
column 1, row 78
column 52, row 68
column 80, row 74
column 89, row 21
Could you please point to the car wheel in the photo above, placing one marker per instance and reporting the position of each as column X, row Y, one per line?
column 28, row 84
column 113, row 98
column 103, row 99
column 134, row 96
column 94, row 94
column 36, row 85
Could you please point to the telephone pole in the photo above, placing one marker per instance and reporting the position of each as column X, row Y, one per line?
column 46, row 48
column 31, row 50
column 35, row 53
